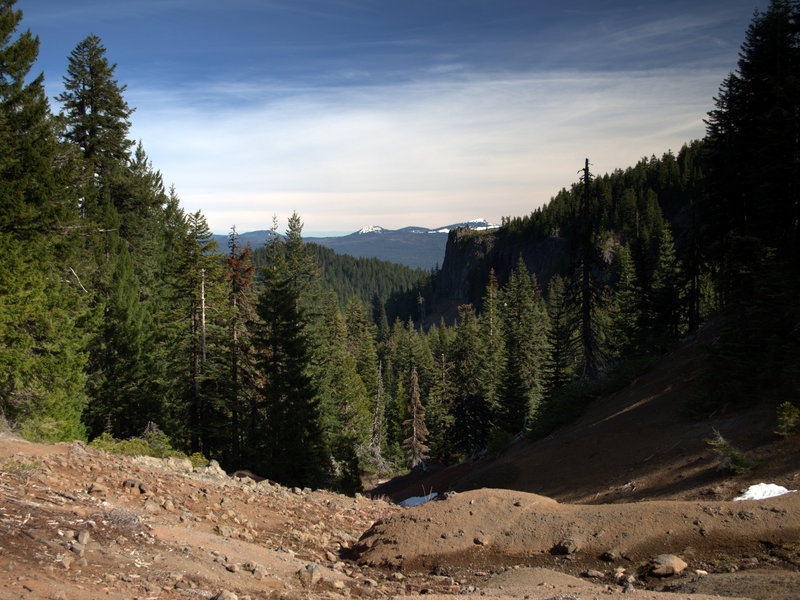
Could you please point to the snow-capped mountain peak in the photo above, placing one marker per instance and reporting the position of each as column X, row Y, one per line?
column 371, row 229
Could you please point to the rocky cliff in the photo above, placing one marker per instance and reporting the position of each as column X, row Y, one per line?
column 470, row 255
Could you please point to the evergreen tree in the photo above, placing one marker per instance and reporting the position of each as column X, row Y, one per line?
column 753, row 208
column 471, row 409
column 34, row 199
column 42, row 298
column 96, row 116
column 417, row 432
column 344, row 404
column 439, row 417
column 666, row 292
column 586, row 283
column 122, row 402
column 561, row 357
column 754, row 150
column 243, row 376
column 525, row 329
column 42, row 384
column 290, row 449
column 491, row 345
column 625, row 318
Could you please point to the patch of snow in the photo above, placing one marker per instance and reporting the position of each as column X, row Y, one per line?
column 442, row 230
column 417, row 500
column 761, row 491
column 371, row 229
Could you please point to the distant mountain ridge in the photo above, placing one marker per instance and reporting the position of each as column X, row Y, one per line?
column 416, row 247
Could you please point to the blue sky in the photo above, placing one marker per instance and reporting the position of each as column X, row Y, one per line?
column 397, row 112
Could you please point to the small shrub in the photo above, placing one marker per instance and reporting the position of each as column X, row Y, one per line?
column 730, row 457
column 153, row 442
column 788, row 419
column 198, row 460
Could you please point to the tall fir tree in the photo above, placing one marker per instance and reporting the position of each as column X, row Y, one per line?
column 525, row 326
column 290, row 449
column 561, row 356
column 42, row 297
column 753, row 208
column 242, row 375
column 96, row 116
column 416, row 430
column 491, row 346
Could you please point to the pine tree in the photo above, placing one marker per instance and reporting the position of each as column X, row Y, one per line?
column 753, row 158
column 42, row 298
column 525, row 326
column 625, row 318
column 417, row 432
column 290, row 448
column 666, row 292
column 586, row 283
column 122, row 402
column 242, row 375
column 492, row 355
column 471, row 409
column 561, row 356
column 754, row 149
column 439, row 417
column 96, row 116
column 343, row 400
column 34, row 199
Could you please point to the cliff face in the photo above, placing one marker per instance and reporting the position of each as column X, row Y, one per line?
column 470, row 255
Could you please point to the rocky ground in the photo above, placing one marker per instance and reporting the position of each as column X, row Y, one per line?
column 78, row 523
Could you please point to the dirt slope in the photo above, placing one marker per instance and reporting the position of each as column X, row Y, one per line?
column 631, row 445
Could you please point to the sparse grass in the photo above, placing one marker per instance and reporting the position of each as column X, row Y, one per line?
column 21, row 468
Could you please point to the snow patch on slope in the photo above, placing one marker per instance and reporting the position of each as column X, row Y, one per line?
column 761, row 491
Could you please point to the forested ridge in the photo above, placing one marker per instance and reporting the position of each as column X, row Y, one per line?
column 118, row 313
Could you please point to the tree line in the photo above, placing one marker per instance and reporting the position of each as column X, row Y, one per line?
column 119, row 311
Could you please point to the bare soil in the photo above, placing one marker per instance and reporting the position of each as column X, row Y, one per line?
column 581, row 515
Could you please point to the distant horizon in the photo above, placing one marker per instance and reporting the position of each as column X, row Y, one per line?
column 341, row 233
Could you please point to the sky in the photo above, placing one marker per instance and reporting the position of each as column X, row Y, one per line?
column 397, row 112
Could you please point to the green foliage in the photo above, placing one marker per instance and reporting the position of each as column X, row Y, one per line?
column 788, row 419
column 730, row 458
column 152, row 442
column 525, row 326
column 287, row 433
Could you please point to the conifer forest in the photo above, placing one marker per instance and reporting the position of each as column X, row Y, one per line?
column 118, row 313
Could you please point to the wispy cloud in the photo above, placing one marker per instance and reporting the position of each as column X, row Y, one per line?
column 482, row 146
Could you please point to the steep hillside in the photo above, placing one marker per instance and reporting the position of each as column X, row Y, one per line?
column 634, row 444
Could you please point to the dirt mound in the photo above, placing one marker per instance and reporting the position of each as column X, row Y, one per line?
column 490, row 528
